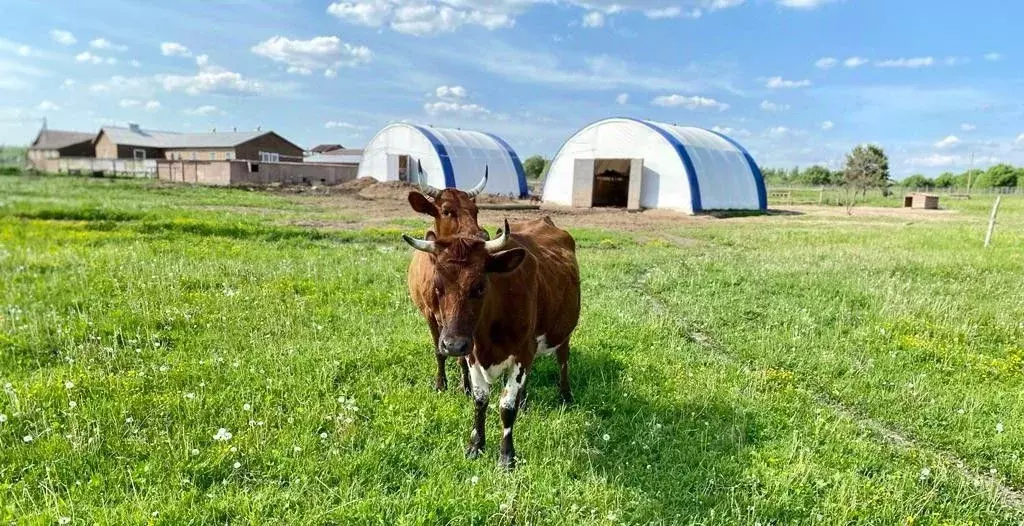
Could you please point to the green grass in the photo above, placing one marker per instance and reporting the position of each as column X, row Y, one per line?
column 739, row 378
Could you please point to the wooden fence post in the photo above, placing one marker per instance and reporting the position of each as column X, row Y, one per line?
column 992, row 221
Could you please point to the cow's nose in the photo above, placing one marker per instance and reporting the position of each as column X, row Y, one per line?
column 455, row 346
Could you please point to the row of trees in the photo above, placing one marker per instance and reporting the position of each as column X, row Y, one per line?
column 1000, row 175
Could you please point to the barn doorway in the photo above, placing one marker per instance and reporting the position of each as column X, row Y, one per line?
column 398, row 167
column 403, row 168
column 611, row 182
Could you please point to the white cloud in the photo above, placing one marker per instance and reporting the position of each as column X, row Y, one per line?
column 24, row 51
column 1020, row 139
column 967, row 127
column 855, row 62
column 61, row 36
column 779, row 82
column 174, row 49
column 88, row 58
column 450, row 92
column 733, row 132
column 949, row 142
column 826, row 63
column 330, row 73
column 956, row 61
column 622, row 98
column 202, row 60
column 771, row 106
column 691, row 103
column 47, row 105
column 827, row 125
column 68, row 83
column 204, row 111
column 136, row 64
column 916, row 62
column 212, row 79
column 133, row 103
column 781, row 131
column 803, row 4
column 343, row 125
column 993, row 57
column 102, row 43
column 318, row 53
column 443, row 107
column 593, row 19
column 933, row 160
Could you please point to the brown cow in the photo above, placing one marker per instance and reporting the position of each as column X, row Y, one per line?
column 454, row 212
column 500, row 303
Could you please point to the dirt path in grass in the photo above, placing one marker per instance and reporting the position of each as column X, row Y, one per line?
column 377, row 204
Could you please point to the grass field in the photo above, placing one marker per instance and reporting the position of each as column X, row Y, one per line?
column 808, row 368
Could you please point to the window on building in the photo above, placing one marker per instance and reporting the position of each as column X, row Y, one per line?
column 194, row 156
column 229, row 156
column 270, row 157
column 139, row 154
column 213, row 156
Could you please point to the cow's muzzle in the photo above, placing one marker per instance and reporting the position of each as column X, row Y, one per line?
column 455, row 345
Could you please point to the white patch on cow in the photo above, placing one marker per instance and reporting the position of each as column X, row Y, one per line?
column 512, row 386
column 506, row 432
column 481, row 378
column 542, row 346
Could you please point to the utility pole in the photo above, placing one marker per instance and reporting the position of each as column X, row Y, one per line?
column 970, row 175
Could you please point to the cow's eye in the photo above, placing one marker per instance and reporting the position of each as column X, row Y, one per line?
column 477, row 291
column 447, row 212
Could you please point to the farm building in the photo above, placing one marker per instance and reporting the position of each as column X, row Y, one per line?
column 53, row 144
column 449, row 158
column 637, row 164
column 339, row 155
column 139, row 144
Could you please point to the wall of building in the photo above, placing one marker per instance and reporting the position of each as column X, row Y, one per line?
column 82, row 149
column 105, row 148
column 270, row 142
column 91, row 165
column 246, row 173
column 201, row 154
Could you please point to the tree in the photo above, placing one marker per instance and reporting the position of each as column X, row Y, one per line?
column 867, row 166
column 918, row 181
column 816, row 175
column 946, row 180
column 534, row 166
column 998, row 176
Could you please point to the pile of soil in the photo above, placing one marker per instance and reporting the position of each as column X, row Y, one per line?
column 371, row 189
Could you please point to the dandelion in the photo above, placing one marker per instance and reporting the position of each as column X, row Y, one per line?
column 8, row 386
column 657, row 427
column 190, row 396
column 323, row 436
column 64, row 520
column 999, row 427
column 247, row 407
column 129, row 420
column 234, row 449
column 252, row 423
column 3, row 418
column 238, row 465
column 296, row 449
column 26, row 439
column 72, row 404
column 235, row 364
column 157, row 344
column 194, row 452
column 222, row 435
column 925, row 473
column 606, row 437
column 291, row 420
column 155, row 514
column 164, row 368
column 69, row 385
column 960, row 411
column 474, row 480
column 259, row 423
column 992, row 472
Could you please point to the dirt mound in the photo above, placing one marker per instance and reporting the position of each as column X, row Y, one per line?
column 370, row 188
column 393, row 190
column 355, row 185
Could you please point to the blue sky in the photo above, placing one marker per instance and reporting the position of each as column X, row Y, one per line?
column 796, row 81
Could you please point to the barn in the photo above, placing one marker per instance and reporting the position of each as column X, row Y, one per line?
column 632, row 163
column 449, row 158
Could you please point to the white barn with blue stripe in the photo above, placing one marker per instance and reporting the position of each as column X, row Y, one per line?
column 449, row 158
column 684, row 168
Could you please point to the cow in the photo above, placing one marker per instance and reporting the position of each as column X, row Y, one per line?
column 454, row 212
column 500, row 303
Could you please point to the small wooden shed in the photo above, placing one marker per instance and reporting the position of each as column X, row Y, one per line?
column 923, row 201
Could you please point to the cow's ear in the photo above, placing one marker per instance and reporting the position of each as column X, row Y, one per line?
column 421, row 204
column 505, row 261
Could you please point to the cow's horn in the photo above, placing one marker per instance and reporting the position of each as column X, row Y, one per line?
column 475, row 191
column 500, row 243
column 427, row 190
column 420, row 244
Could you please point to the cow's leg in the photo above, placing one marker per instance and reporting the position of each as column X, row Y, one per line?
column 481, row 397
column 467, row 386
column 563, row 372
column 441, row 381
column 511, row 397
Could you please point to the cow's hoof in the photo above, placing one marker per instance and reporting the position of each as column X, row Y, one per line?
column 441, row 386
column 473, row 451
column 507, row 462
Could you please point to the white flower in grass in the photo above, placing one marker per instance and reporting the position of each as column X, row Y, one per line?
column 164, row 368
column 252, row 423
column 291, row 420
column 155, row 514
column 72, row 404
column 26, row 439
column 64, row 520
column 238, row 465
column 474, row 480
column 8, row 386
column 925, row 473
column 190, row 396
column 222, row 435
column 3, row 418
column 296, row 449
column 259, row 424
column 234, row 449
column 323, row 436
column 194, row 452
column 960, row 411
column 247, row 407
column 129, row 420
column 69, row 385
column 999, row 427
column 606, row 437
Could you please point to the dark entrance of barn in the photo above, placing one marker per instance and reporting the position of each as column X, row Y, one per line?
column 607, row 183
